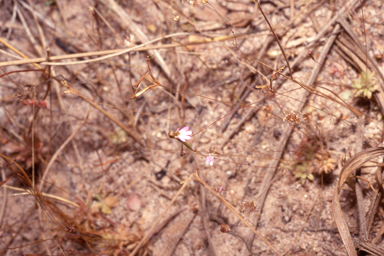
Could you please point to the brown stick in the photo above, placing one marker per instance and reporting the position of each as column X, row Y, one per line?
column 276, row 38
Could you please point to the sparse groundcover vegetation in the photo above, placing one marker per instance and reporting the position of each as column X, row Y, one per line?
column 191, row 127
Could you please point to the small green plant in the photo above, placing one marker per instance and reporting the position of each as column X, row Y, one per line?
column 302, row 172
column 104, row 202
column 311, row 157
column 365, row 85
column 50, row 2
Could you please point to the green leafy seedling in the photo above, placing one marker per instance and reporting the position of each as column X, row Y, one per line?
column 302, row 173
column 50, row 2
column 365, row 85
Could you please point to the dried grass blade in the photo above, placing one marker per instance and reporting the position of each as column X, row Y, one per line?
column 5, row 181
column 350, row 166
column 22, row 175
column 5, row 199
column 371, row 249
column 342, row 224
column 127, row 21
column 379, row 234
column 373, row 210
column 357, row 161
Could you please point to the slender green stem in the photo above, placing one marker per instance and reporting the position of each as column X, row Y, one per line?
column 249, row 250
column 188, row 146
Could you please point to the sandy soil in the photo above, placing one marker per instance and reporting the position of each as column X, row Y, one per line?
column 102, row 152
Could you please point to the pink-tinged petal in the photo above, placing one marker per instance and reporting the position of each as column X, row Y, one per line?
column 184, row 134
column 209, row 160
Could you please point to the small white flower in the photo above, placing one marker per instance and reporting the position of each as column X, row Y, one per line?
column 183, row 134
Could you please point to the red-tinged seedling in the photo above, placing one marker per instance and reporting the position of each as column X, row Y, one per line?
column 248, row 207
column 31, row 102
column 71, row 229
column 337, row 71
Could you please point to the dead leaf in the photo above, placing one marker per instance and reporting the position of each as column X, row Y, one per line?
column 134, row 202
column 111, row 201
column 106, row 209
